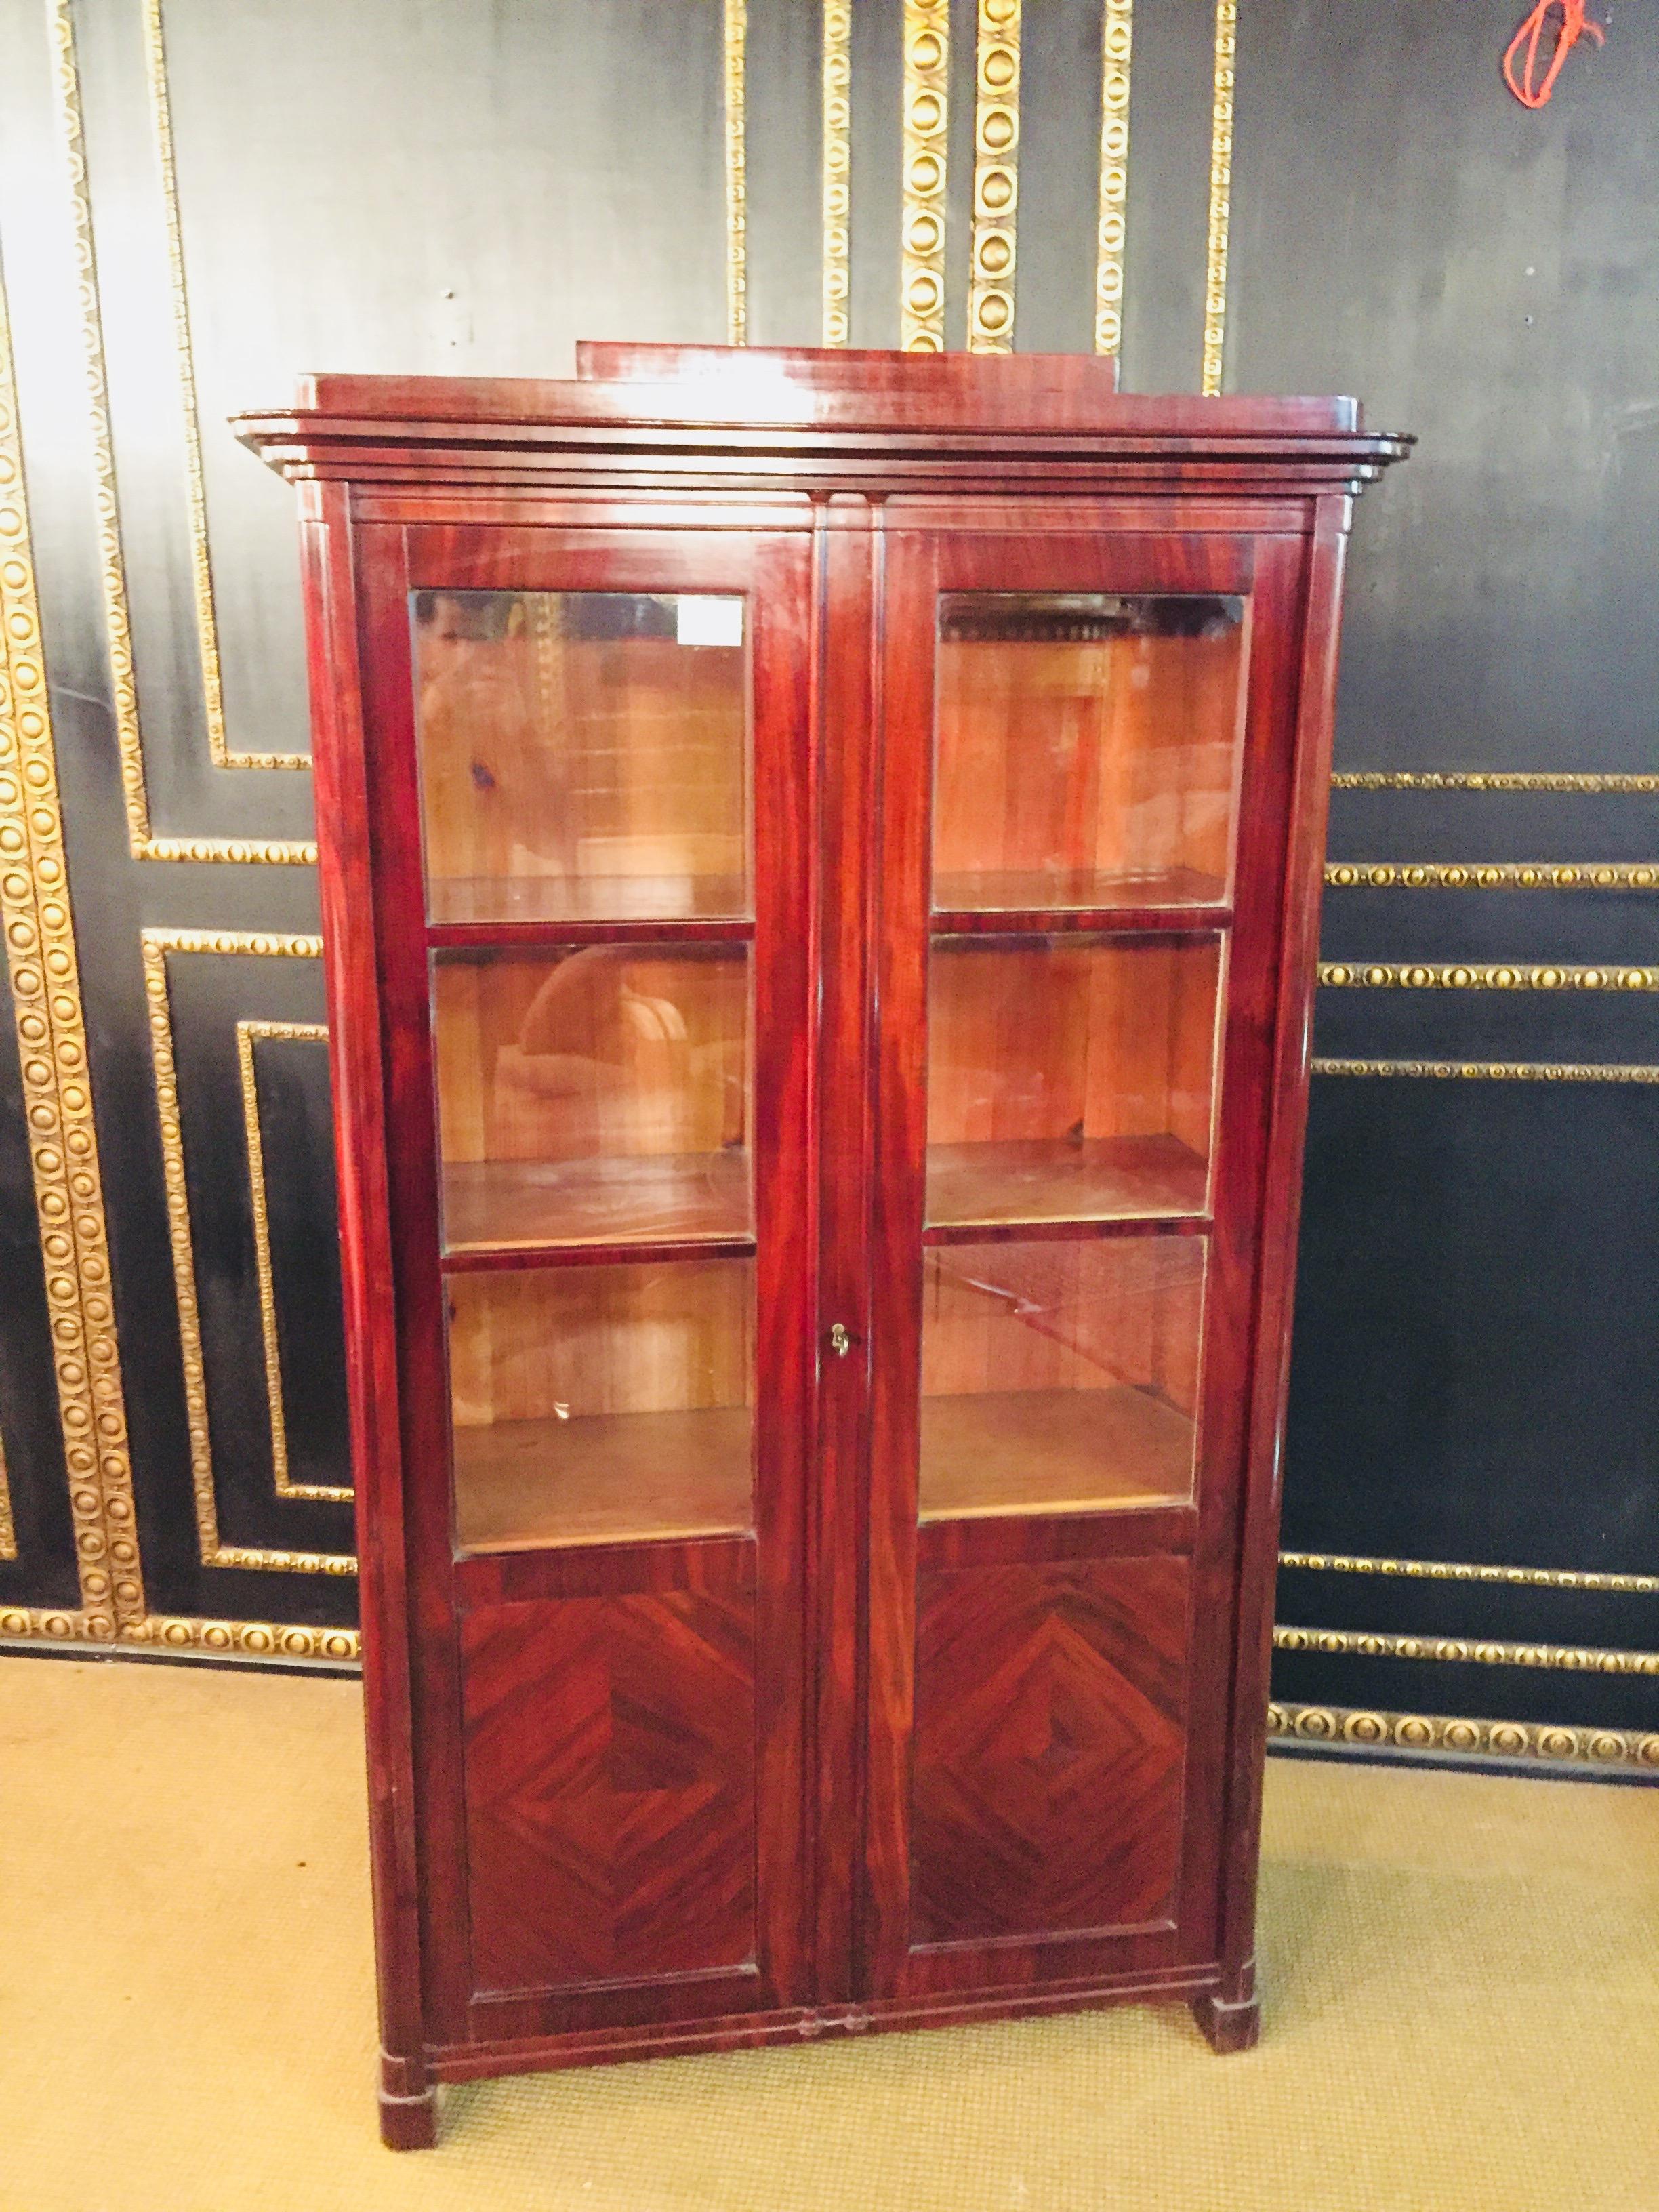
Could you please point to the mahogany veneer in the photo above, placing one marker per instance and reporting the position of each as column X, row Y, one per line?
column 820, row 867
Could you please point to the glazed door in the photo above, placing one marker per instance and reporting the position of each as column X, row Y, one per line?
column 596, row 942
column 1083, row 783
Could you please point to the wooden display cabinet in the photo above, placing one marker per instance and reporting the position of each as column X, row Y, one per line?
column 820, row 862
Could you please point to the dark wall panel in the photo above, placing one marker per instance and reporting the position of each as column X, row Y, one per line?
column 1489, row 279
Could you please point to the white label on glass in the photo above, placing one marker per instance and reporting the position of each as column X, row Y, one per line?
column 701, row 619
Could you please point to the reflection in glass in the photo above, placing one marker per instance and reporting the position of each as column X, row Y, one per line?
column 583, row 753
column 592, row 1093
column 1087, row 748
column 596, row 1404
column 1070, row 1078
column 1060, row 1375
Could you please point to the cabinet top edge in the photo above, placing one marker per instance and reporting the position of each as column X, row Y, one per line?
column 735, row 400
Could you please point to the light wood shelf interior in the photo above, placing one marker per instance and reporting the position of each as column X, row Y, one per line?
column 604, row 1479
column 577, row 762
column 1060, row 1375
column 594, row 1403
column 1085, row 741
column 1070, row 1079
column 592, row 1095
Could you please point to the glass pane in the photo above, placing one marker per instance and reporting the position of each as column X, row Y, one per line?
column 1088, row 749
column 1060, row 1375
column 1070, row 1078
column 584, row 755
column 591, row 1093
column 596, row 1404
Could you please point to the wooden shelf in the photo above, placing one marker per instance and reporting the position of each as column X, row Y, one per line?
column 484, row 899
column 516, row 1206
column 1057, row 1179
column 604, row 1479
column 1052, row 1451
column 959, row 896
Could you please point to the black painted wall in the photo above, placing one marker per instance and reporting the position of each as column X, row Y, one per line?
column 441, row 186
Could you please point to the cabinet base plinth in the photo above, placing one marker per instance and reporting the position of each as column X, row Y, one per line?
column 408, row 2123
column 1227, row 2028
column 467, row 2062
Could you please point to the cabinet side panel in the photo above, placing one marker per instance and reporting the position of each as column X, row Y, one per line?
column 611, row 1787
column 1050, row 1730
column 1319, row 592
column 347, row 889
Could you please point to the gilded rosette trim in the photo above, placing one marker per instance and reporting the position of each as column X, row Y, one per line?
column 52, row 1054
column 1493, row 1071
column 1487, row 780
column 1481, row 975
column 927, row 111
column 996, row 178
column 1116, row 42
column 158, row 944
column 201, row 562
column 1467, row 1650
column 221, row 1639
column 1221, row 191
column 1493, row 875
column 1545, row 1741
column 1455, row 1571
column 736, row 174
column 248, row 1033
column 280, row 852
column 837, row 171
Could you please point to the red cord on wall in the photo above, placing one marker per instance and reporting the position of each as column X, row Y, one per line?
column 1529, row 88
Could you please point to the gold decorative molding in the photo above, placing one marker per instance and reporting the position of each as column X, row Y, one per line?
column 1455, row 1570
column 1493, row 875
column 1547, row 1741
column 201, row 561
column 736, row 172
column 52, row 1054
column 1487, row 780
column 248, row 1033
column 8, row 1526
column 1493, row 1071
column 996, row 178
column 1465, row 1650
column 926, row 113
column 277, row 851
column 1116, row 42
column 111, row 559
column 1221, row 191
column 1481, row 975
column 163, row 1631
column 158, row 944
column 837, row 171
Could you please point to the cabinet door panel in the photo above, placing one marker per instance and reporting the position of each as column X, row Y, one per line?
column 1084, row 775
column 591, row 759
column 1050, row 1733
column 610, row 1759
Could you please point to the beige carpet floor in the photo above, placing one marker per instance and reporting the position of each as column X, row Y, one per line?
column 1463, row 2010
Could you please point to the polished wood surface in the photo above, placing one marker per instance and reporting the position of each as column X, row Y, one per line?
column 840, row 1332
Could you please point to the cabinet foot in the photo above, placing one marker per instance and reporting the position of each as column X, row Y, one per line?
column 409, row 2123
column 1227, row 2028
